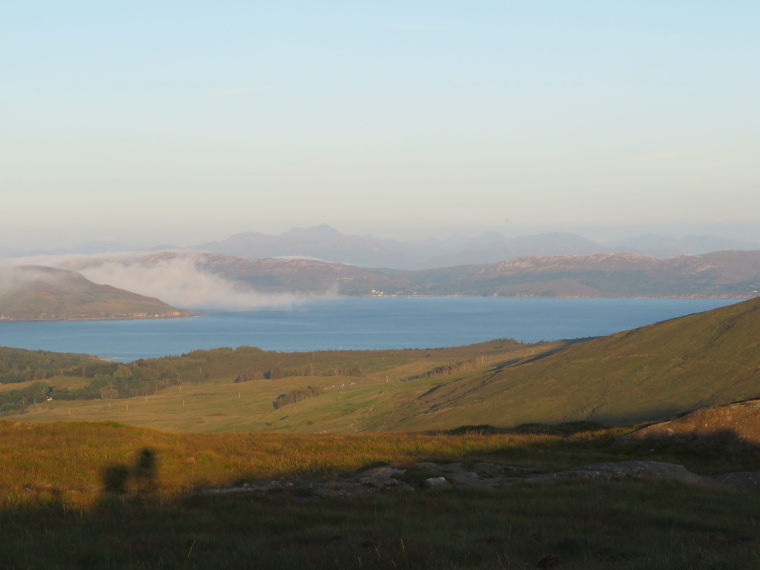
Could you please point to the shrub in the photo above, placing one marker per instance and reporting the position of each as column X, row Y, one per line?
column 296, row 395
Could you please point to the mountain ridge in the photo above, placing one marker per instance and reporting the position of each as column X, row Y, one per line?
column 329, row 244
column 718, row 275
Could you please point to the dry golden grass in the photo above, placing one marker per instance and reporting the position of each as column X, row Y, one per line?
column 54, row 512
column 68, row 459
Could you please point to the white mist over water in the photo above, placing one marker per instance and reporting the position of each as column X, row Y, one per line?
column 174, row 280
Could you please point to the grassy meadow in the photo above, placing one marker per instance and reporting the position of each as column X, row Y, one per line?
column 209, row 390
column 55, row 511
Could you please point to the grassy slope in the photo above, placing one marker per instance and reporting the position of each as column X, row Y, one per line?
column 643, row 374
column 209, row 400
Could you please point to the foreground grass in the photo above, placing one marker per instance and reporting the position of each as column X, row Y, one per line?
column 49, row 460
column 589, row 526
column 54, row 513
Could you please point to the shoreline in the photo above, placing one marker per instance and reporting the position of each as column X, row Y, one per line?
column 10, row 319
column 6, row 319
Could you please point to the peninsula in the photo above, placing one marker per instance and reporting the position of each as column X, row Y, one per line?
column 36, row 293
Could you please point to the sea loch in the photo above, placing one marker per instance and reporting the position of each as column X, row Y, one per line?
column 355, row 323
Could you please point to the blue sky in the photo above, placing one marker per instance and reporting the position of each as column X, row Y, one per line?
column 183, row 122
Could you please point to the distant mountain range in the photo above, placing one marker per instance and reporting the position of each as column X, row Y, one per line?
column 328, row 244
column 31, row 293
column 733, row 274
column 720, row 274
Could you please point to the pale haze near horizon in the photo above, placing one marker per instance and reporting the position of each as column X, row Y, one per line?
column 185, row 122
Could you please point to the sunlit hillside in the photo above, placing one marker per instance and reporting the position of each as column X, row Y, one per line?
column 648, row 373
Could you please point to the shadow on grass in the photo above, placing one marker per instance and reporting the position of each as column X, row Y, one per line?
column 587, row 524
column 555, row 447
column 139, row 479
column 567, row 428
column 535, row 358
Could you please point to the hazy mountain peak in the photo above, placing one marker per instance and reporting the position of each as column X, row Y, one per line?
column 321, row 231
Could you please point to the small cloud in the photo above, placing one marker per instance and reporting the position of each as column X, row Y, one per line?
column 410, row 26
column 238, row 91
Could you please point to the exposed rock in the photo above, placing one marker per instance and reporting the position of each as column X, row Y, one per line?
column 631, row 471
column 493, row 476
column 496, row 470
column 438, row 483
column 377, row 477
column 734, row 424
column 453, row 472
column 367, row 482
column 746, row 481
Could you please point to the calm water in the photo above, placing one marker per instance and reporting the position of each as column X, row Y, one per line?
column 355, row 323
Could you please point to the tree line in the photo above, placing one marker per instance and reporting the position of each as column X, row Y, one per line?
column 278, row 372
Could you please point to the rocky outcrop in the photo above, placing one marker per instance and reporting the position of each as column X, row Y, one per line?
column 634, row 471
column 736, row 425
column 443, row 476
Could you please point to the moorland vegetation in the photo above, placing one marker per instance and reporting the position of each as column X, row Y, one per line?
column 193, row 503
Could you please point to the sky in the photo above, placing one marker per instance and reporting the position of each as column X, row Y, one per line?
column 175, row 122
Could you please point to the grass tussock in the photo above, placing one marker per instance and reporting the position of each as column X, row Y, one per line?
column 69, row 459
